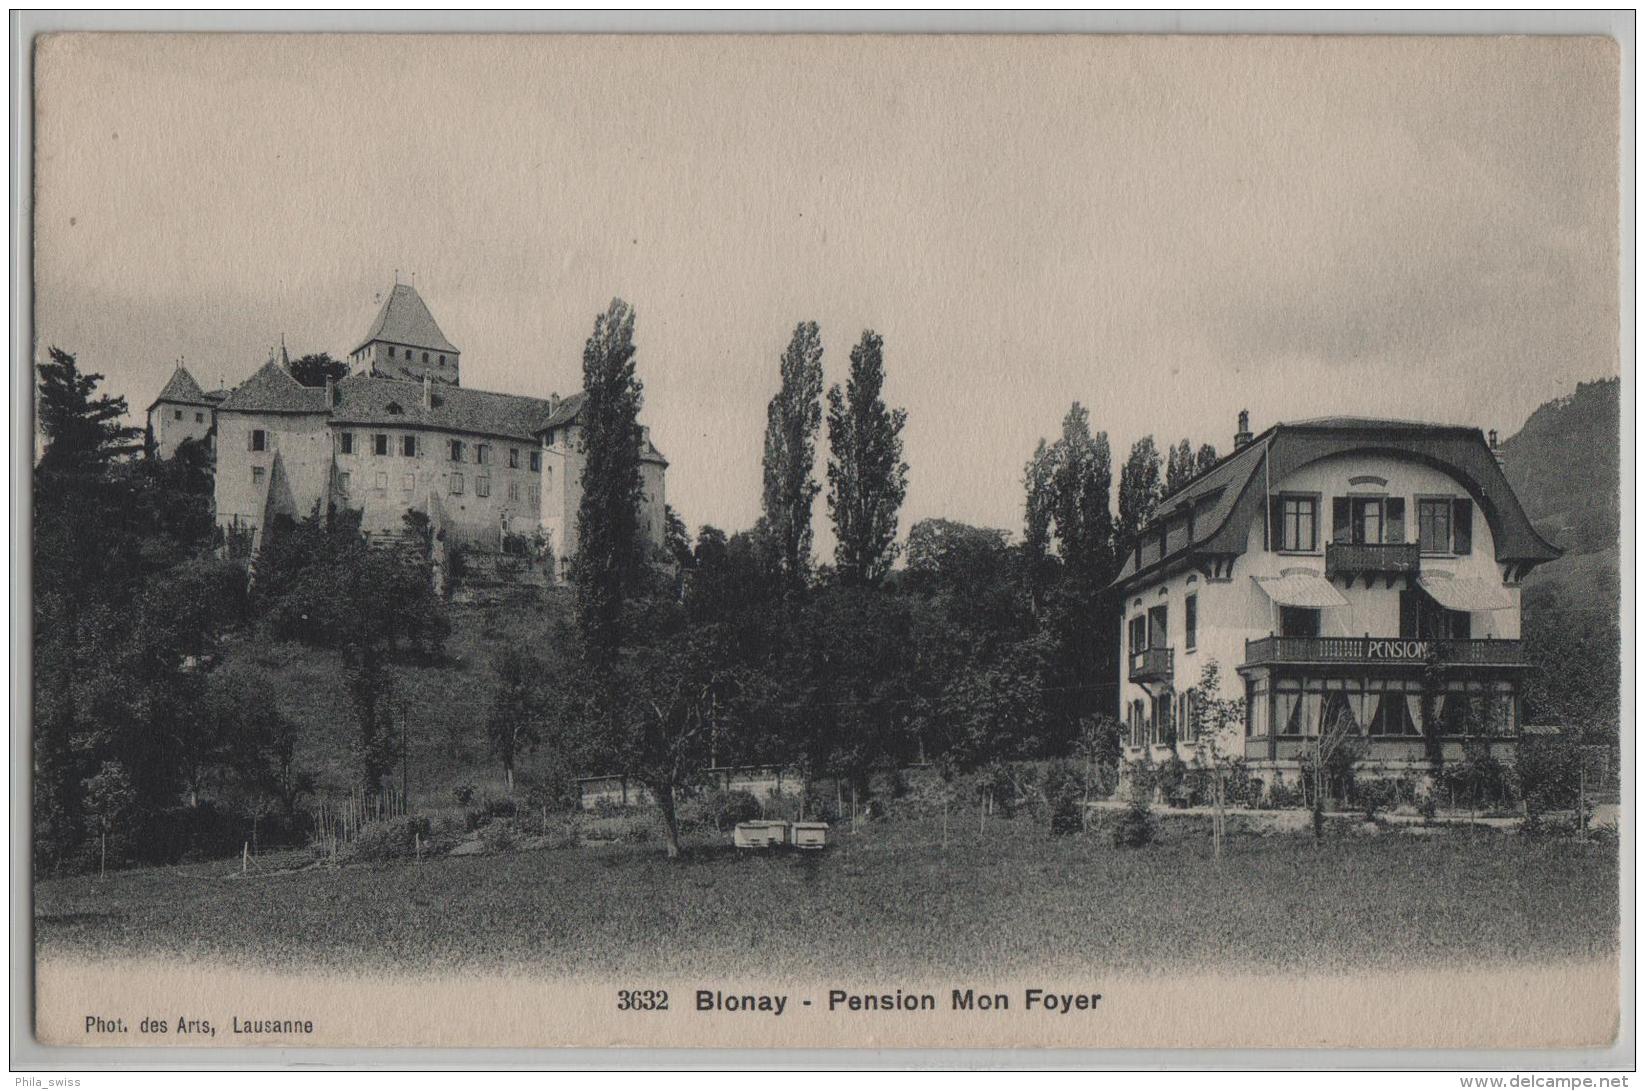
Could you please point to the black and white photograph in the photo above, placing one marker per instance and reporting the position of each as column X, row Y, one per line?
column 759, row 542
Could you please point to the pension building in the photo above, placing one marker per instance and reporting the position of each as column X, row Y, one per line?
column 1349, row 576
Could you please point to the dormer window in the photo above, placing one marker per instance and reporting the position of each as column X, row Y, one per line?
column 393, row 409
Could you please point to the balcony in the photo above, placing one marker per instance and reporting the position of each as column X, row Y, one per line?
column 1151, row 665
column 1360, row 650
column 1351, row 561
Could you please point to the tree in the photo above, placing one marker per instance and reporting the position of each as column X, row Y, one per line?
column 517, row 708
column 1139, row 492
column 1038, row 511
column 81, row 433
column 867, row 477
column 1080, row 482
column 1180, row 467
column 609, row 557
column 315, row 368
column 676, row 688
column 1205, row 458
column 109, row 800
column 1213, row 719
column 676, row 539
column 792, row 420
column 942, row 552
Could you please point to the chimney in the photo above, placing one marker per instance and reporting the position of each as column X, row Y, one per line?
column 1496, row 452
column 428, row 391
column 331, row 392
column 1243, row 436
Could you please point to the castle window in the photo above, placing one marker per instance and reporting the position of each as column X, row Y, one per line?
column 408, row 446
column 345, row 443
column 442, row 359
column 482, row 486
column 425, row 357
column 536, row 461
column 176, row 414
column 513, row 490
column 514, row 458
column 391, row 352
column 343, row 479
column 258, row 440
column 456, row 484
column 199, row 418
column 1190, row 622
column 257, row 473
column 382, row 482
column 456, row 450
column 410, row 482
column 482, row 453
column 379, row 443
column 532, row 494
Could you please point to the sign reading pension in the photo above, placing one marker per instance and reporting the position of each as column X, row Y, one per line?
column 1396, row 649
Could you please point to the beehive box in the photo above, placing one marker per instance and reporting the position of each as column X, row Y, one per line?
column 809, row 836
column 760, row 835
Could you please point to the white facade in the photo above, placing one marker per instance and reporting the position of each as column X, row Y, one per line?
column 1366, row 652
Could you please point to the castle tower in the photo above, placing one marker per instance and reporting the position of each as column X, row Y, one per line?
column 405, row 342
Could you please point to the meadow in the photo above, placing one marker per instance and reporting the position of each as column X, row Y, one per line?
column 891, row 897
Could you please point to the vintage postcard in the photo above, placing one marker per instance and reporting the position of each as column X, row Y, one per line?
column 1076, row 541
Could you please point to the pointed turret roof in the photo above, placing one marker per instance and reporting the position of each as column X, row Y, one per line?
column 181, row 389
column 273, row 390
column 405, row 320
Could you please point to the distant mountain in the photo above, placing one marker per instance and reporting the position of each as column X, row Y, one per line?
column 1566, row 466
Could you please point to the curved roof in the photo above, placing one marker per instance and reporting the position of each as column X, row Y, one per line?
column 405, row 320
column 1226, row 497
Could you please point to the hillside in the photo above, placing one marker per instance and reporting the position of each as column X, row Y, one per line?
column 1565, row 465
column 443, row 704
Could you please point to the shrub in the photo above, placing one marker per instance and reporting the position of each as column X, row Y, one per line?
column 1375, row 796
column 1550, row 772
column 390, row 839
column 723, row 810
column 1172, row 781
column 1282, row 796
column 1135, row 828
column 464, row 794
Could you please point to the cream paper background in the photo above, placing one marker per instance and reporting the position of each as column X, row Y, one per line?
column 1435, row 1007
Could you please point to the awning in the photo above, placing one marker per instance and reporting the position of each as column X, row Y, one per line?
column 1468, row 593
column 1301, row 589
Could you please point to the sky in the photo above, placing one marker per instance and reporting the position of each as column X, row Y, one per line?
column 1166, row 230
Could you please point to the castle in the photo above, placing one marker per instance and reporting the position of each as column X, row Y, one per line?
column 399, row 433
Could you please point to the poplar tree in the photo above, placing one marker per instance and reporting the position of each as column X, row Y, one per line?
column 867, row 478
column 1081, row 476
column 608, row 564
column 1139, row 492
column 792, row 421
column 1205, row 459
column 1179, row 467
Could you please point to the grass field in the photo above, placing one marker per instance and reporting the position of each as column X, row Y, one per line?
column 889, row 898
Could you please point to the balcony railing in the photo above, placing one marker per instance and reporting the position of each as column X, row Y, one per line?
column 1151, row 665
column 1375, row 649
column 1350, row 561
